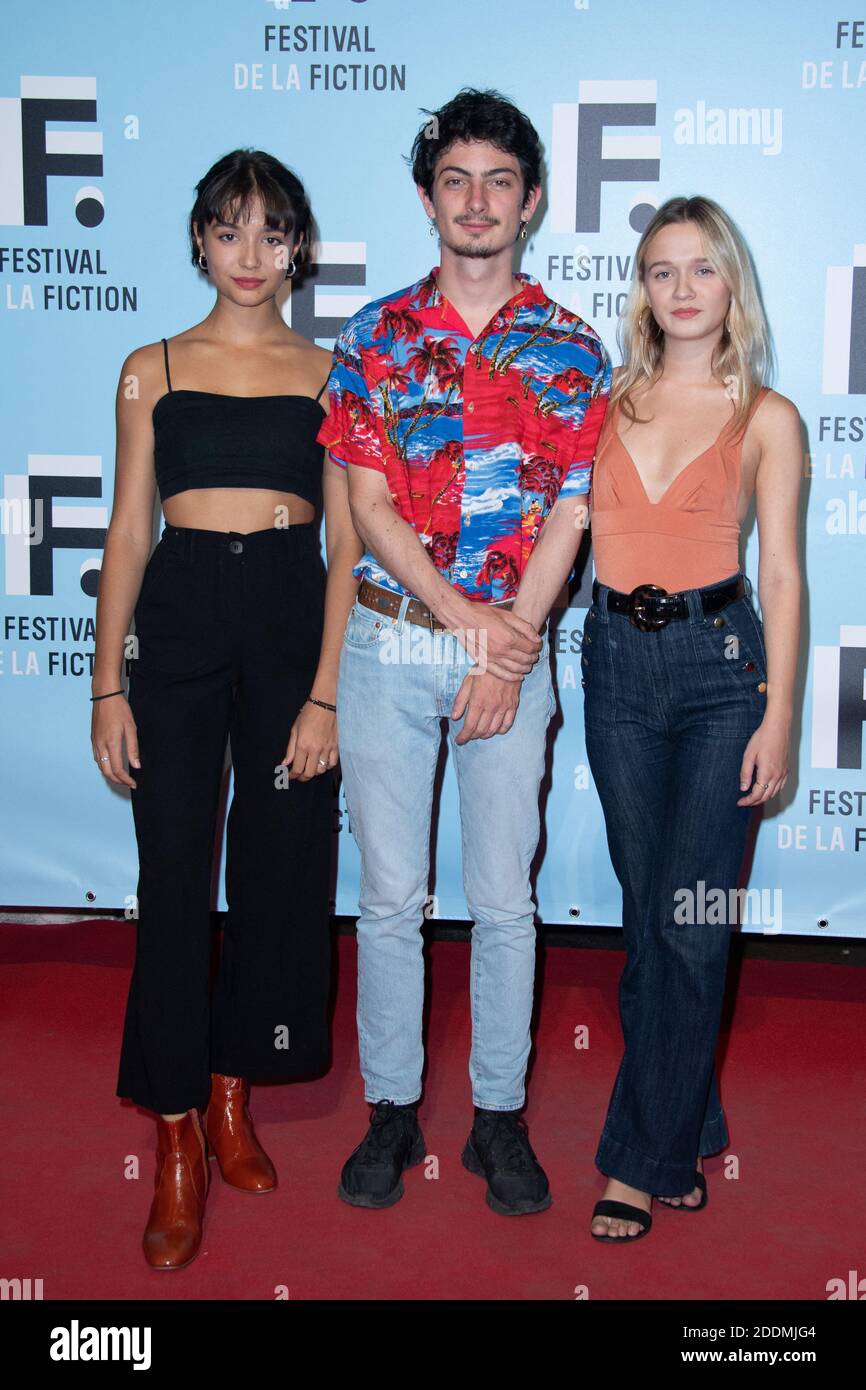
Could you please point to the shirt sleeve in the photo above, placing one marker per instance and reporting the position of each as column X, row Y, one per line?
column 349, row 432
column 578, row 475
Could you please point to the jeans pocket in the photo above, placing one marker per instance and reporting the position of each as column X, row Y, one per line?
column 543, row 670
column 737, row 641
column 363, row 627
column 551, row 699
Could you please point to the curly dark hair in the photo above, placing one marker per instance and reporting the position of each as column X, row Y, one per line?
column 477, row 115
column 230, row 185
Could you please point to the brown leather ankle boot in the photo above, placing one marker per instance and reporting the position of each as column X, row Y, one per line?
column 172, row 1236
column 229, row 1128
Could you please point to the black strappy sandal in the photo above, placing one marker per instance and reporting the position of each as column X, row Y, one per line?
column 701, row 1182
column 606, row 1207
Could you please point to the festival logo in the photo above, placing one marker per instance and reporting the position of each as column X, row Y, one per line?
column 845, row 327
column 34, row 524
column 31, row 154
column 316, row 311
column 585, row 157
column 839, row 701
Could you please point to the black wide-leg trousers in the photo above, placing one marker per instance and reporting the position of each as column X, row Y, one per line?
column 228, row 634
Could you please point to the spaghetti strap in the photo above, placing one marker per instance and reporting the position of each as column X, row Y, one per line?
column 165, row 355
column 322, row 387
column 760, row 394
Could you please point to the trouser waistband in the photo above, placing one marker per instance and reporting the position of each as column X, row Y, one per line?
column 192, row 538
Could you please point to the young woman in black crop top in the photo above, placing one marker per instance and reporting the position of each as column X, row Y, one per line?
column 237, row 637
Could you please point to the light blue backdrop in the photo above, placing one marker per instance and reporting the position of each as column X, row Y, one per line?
column 108, row 116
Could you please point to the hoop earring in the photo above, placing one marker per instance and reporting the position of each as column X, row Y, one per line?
column 432, row 227
column 291, row 269
column 202, row 262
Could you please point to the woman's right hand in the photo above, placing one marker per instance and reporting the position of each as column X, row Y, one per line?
column 111, row 724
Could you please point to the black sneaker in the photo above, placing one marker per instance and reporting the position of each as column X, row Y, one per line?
column 499, row 1150
column 371, row 1175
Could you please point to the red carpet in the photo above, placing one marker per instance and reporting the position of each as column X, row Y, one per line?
column 792, row 1084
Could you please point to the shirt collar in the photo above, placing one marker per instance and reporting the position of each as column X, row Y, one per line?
column 427, row 294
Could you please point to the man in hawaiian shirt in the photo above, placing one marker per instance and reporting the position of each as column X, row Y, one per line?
column 467, row 408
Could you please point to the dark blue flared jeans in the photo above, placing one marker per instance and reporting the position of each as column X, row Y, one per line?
column 668, row 718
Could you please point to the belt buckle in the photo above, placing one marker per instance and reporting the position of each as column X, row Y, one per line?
column 638, row 616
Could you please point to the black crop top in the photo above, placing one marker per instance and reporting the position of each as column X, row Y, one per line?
column 204, row 439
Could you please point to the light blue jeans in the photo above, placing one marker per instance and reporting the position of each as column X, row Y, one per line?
column 397, row 680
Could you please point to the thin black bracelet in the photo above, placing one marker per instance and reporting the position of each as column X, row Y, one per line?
column 324, row 704
column 108, row 696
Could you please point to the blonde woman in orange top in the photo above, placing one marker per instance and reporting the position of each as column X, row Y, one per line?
column 688, row 709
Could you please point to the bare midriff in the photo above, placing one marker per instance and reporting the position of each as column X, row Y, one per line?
column 241, row 509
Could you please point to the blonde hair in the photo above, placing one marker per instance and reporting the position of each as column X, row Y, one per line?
column 743, row 357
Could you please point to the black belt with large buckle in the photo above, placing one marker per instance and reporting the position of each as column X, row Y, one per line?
column 651, row 608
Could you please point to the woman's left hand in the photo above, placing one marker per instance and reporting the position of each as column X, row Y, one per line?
column 765, row 762
column 312, row 747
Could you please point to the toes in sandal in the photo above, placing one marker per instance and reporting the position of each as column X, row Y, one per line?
column 701, row 1182
column 626, row 1213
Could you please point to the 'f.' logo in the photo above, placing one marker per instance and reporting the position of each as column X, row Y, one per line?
column 584, row 157
column 322, row 315
column 30, row 152
column 845, row 327
column 839, row 701
column 35, row 523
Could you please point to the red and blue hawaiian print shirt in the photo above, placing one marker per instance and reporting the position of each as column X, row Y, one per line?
column 476, row 437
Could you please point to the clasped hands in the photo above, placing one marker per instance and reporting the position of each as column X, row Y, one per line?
column 505, row 648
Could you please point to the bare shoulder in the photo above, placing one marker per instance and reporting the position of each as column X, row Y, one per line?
column 776, row 424
column 322, row 359
column 775, row 414
column 307, row 361
column 142, row 376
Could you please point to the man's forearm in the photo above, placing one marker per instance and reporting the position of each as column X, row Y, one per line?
column 398, row 548
column 552, row 559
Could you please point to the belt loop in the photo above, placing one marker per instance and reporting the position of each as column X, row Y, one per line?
column 696, row 607
column 401, row 616
column 183, row 537
column 599, row 597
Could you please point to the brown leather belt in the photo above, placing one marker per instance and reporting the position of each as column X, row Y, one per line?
column 388, row 602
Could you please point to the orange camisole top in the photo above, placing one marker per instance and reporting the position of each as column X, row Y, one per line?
column 689, row 538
